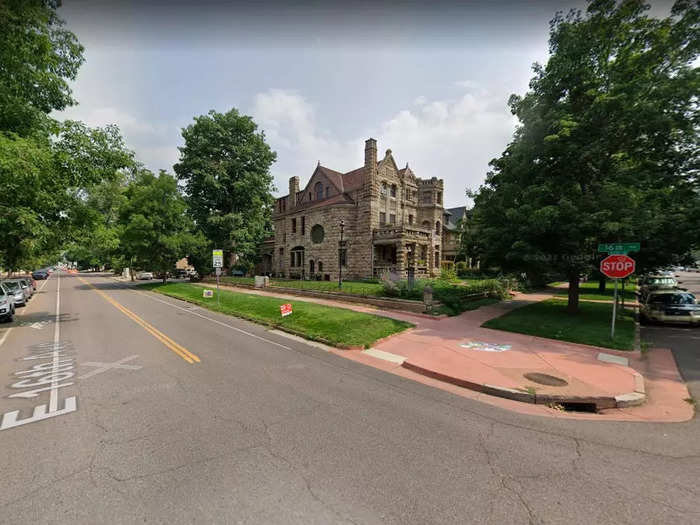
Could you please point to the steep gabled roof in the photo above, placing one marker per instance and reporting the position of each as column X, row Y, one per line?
column 352, row 180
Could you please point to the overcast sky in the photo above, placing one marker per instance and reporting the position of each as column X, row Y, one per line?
column 430, row 80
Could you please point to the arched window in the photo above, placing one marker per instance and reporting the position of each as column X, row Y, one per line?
column 426, row 225
column 393, row 190
column 318, row 190
column 437, row 227
column 384, row 188
column 320, row 266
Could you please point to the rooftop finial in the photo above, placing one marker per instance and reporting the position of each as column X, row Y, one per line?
column 319, row 163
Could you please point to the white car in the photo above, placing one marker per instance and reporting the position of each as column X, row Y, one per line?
column 144, row 276
column 7, row 304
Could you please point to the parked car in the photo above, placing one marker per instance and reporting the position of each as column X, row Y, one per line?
column 24, row 284
column 670, row 306
column 16, row 291
column 181, row 273
column 650, row 283
column 40, row 275
column 144, row 276
column 7, row 304
column 30, row 280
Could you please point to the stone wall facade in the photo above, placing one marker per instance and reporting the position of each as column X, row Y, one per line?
column 391, row 221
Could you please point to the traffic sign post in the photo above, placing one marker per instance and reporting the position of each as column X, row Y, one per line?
column 616, row 267
column 217, row 257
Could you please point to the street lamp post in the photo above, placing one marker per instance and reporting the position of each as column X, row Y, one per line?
column 340, row 255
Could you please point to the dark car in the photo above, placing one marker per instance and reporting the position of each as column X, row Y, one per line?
column 40, row 275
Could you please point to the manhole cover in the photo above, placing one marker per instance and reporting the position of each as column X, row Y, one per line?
column 545, row 379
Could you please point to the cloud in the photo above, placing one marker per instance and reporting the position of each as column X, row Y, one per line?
column 453, row 139
column 468, row 84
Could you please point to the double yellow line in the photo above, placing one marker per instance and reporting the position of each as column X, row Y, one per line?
column 169, row 343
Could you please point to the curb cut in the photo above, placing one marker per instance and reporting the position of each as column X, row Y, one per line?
column 629, row 399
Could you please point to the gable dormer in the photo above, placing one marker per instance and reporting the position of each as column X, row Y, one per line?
column 387, row 166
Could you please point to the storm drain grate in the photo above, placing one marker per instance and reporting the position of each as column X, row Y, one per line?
column 545, row 379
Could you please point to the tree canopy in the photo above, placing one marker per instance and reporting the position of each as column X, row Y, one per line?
column 37, row 58
column 225, row 167
column 156, row 231
column 607, row 147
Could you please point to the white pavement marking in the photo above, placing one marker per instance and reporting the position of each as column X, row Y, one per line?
column 386, row 356
column 212, row 320
column 57, row 374
column 103, row 367
column 609, row 358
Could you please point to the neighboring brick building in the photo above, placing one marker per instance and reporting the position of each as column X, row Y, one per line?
column 392, row 220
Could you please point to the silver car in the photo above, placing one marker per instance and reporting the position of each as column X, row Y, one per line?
column 16, row 291
column 27, row 288
column 7, row 304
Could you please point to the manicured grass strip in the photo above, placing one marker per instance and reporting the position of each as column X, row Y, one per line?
column 335, row 326
column 589, row 291
column 590, row 326
column 351, row 287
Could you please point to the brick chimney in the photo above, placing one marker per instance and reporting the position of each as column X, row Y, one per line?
column 293, row 190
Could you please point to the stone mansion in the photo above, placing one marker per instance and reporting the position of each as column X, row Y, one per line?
column 390, row 220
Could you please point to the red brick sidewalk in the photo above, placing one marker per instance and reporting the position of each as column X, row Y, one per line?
column 451, row 351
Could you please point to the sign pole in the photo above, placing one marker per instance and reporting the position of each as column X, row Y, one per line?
column 218, row 300
column 612, row 329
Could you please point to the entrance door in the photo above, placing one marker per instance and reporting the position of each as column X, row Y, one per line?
column 311, row 268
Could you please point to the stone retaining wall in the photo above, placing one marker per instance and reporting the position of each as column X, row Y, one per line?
column 383, row 302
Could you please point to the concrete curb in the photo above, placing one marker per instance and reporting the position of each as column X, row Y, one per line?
column 629, row 399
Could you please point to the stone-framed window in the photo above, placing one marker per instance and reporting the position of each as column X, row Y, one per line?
column 294, row 225
column 392, row 218
column 410, row 219
column 328, row 191
column 303, row 225
column 384, row 188
column 318, row 190
column 437, row 256
column 437, row 227
column 439, row 197
column 382, row 217
column 317, row 234
column 393, row 190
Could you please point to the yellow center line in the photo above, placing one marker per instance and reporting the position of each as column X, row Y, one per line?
column 169, row 343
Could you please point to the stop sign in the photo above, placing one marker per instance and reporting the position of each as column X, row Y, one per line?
column 617, row 266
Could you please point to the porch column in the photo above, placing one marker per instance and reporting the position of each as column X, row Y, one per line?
column 401, row 257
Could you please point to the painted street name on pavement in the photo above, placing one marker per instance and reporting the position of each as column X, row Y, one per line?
column 49, row 375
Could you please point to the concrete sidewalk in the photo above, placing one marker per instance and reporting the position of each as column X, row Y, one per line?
column 458, row 351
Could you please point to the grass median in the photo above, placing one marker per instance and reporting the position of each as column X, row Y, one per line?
column 335, row 326
column 550, row 319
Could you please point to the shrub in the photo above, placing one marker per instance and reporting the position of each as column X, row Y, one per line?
column 448, row 274
column 461, row 268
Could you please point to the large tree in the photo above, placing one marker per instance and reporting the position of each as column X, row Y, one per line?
column 156, row 230
column 607, row 147
column 37, row 58
column 225, row 167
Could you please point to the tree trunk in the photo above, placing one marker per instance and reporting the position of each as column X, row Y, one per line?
column 601, row 284
column 572, row 305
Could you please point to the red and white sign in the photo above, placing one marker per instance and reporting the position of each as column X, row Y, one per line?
column 617, row 266
column 286, row 309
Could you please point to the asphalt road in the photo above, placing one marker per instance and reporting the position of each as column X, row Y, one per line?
column 683, row 341
column 154, row 411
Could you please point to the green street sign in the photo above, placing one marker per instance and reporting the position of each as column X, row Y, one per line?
column 618, row 247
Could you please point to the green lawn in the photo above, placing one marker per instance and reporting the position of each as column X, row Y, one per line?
column 336, row 326
column 589, row 291
column 549, row 319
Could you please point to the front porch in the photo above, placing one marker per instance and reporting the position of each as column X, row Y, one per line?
column 397, row 249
